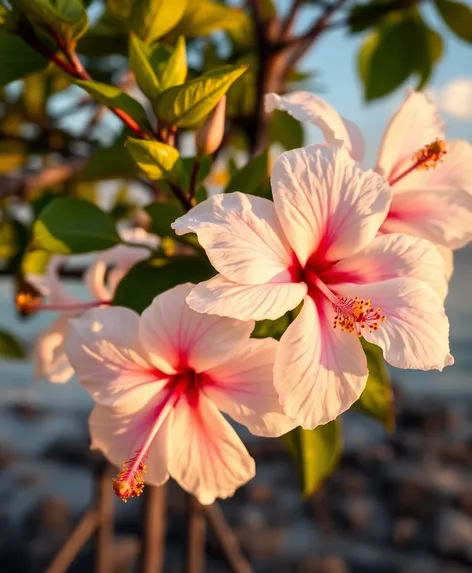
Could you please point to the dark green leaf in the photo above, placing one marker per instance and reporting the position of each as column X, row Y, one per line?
column 151, row 19
column 120, row 8
column 316, row 453
column 253, row 178
column 69, row 225
column 162, row 215
column 457, row 16
column 108, row 36
column 10, row 347
column 377, row 399
column 149, row 278
column 186, row 105
column 272, row 328
column 18, row 59
column 112, row 162
column 112, row 97
column 156, row 160
column 286, row 130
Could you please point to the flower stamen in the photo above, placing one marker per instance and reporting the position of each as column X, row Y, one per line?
column 129, row 482
column 427, row 157
column 356, row 314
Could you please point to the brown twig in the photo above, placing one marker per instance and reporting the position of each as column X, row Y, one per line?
column 106, row 510
column 227, row 539
column 196, row 534
column 78, row 538
column 154, row 530
column 290, row 19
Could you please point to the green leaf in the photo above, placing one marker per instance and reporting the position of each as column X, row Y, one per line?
column 149, row 278
column 35, row 262
column 112, row 162
column 272, row 328
column 203, row 17
column 404, row 45
column 156, row 160
column 286, row 130
column 10, row 347
column 316, row 453
column 139, row 55
column 70, row 225
column 377, row 399
column 18, row 59
column 175, row 71
column 120, row 8
column 162, row 215
column 386, row 59
column 151, row 19
column 67, row 17
column 112, row 97
column 188, row 104
column 253, row 178
column 457, row 16
column 108, row 36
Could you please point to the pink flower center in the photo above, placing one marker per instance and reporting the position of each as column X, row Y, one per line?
column 186, row 385
column 352, row 315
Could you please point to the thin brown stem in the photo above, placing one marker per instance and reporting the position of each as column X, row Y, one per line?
column 290, row 19
column 228, row 541
column 106, row 510
column 78, row 538
column 196, row 535
column 193, row 179
column 154, row 530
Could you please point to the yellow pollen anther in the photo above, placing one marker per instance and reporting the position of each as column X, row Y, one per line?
column 355, row 314
column 27, row 303
column 129, row 483
column 430, row 155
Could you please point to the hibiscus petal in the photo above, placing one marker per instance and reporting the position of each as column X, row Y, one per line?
column 416, row 124
column 104, row 349
column 305, row 106
column 171, row 331
column 119, row 435
column 243, row 387
column 50, row 286
column 241, row 236
column 326, row 203
column 208, row 458
column 393, row 256
column 436, row 203
column 319, row 371
column 258, row 302
column 415, row 333
column 49, row 354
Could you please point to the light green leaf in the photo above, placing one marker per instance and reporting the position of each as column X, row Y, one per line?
column 175, row 71
column 35, row 262
column 457, row 16
column 67, row 17
column 149, row 278
column 377, row 399
column 18, row 59
column 253, row 178
column 156, row 160
column 70, row 225
column 188, row 104
column 151, row 19
column 203, row 17
column 113, row 97
column 10, row 346
column 316, row 453
column 146, row 78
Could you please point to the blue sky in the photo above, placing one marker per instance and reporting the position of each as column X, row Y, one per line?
column 334, row 58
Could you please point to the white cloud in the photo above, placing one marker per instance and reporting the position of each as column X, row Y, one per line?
column 455, row 98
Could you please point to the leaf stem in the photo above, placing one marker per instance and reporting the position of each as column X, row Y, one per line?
column 193, row 180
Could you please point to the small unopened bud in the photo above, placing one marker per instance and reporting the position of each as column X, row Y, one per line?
column 210, row 135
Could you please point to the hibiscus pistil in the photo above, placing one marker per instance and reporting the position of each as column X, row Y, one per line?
column 427, row 157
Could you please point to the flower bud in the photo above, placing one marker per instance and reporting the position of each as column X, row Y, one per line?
column 210, row 135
